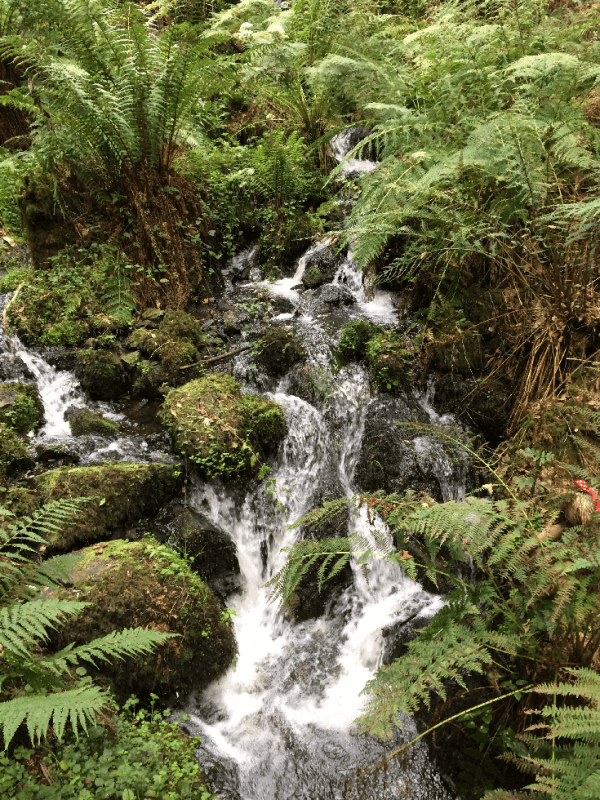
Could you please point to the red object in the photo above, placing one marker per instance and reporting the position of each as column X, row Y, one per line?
column 583, row 487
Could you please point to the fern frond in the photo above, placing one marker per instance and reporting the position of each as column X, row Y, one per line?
column 75, row 706
column 24, row 624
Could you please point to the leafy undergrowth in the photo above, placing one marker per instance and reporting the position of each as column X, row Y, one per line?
column 125, row 756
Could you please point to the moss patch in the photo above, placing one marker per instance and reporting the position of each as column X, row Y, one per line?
column 123, row 492
column 278, row 349
column 145, row 584
column 21, row 407
column 83, row 421
column 355, row 337
column 12, row 450
column 224, row 432
column 172, row 345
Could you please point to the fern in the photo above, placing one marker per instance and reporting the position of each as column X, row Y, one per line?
column 25, row 622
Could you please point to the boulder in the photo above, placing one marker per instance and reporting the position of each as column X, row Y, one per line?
column 144, row 584
column 122, row 493
column 21, row 407
column 13, row 453
column 101, row 374
column 211, row 552
column 393, row 457
column 321, row 267
column 333, row 296
column 279, row 348
column 225, row 433
column 83, row 422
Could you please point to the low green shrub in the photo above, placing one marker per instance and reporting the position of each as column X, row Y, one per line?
column 131, row 755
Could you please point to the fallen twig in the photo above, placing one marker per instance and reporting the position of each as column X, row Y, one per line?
column 7, row 306
column 214, row 359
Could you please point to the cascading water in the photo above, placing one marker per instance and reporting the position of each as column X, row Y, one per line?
column 280, row 724
column 60, row 391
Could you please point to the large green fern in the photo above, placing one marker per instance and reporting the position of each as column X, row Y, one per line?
column 41, row 690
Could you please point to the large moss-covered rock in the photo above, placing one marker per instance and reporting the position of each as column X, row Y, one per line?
column 279, row 348
column 123, row 493
column 12, row 451
column 21, row 407
column 101, row 374
column 84, row 421
column 225, row 433
column 145, row 584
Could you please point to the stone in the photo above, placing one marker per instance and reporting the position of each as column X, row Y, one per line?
column 142, row 584
column 83, row 422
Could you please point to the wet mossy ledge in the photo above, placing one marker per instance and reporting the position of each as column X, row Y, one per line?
column 131, row 584
column 21, row 407
column 227, row 434
column 122, row 494
column 13, row 452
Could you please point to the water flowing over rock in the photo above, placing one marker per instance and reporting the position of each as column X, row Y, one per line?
column 280, row 723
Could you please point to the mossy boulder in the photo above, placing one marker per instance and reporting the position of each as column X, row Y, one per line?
column 13, row 452
column 123, row 493
column 174, row 343
column 321, row 267
column 144, row 584
column 211, row 551
column 279, row 349
column 21, row 407
column 101, row 374
column 84, row 421
column 225, row 433
column 386, row 352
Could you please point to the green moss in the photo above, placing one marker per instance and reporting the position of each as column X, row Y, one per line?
column 312, row 277
column 172, row 345
column 278, row 349
column 389, row 361
column 20, row 407
column 224, row 432
column 84, row 421
column 145, row 584
column 123, row 493
column 355, row 337
column 12, row 450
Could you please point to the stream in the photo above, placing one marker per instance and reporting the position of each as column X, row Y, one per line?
column 280, row 724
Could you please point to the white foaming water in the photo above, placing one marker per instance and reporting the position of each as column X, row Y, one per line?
column 341, row 144
column 278, row 718
column 284, row 286
column 378, row 305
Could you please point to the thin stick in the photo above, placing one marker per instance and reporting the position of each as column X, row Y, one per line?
column 7, row 306
column 214, row 359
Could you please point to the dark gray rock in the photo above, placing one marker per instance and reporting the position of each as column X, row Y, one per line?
column 332, row 296
column 321, row 267
column 395, row 458
column 212, row 552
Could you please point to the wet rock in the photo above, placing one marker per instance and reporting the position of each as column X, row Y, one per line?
column 83, row 422
column 21, row 407
column 13, row 367
column 279, row 348
column 225, row 433
column 282, row 305
column 486, row 410
column 154, row 315
column 101, row 374
column 321, row 267
column 175, row 343
column 234, row 322
column 13, row 453
column 122, row 494
column 140, row 584
column 394, row 458
column 131, row 360
column 212, row 552
column 55, row 452
column 335, row 296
